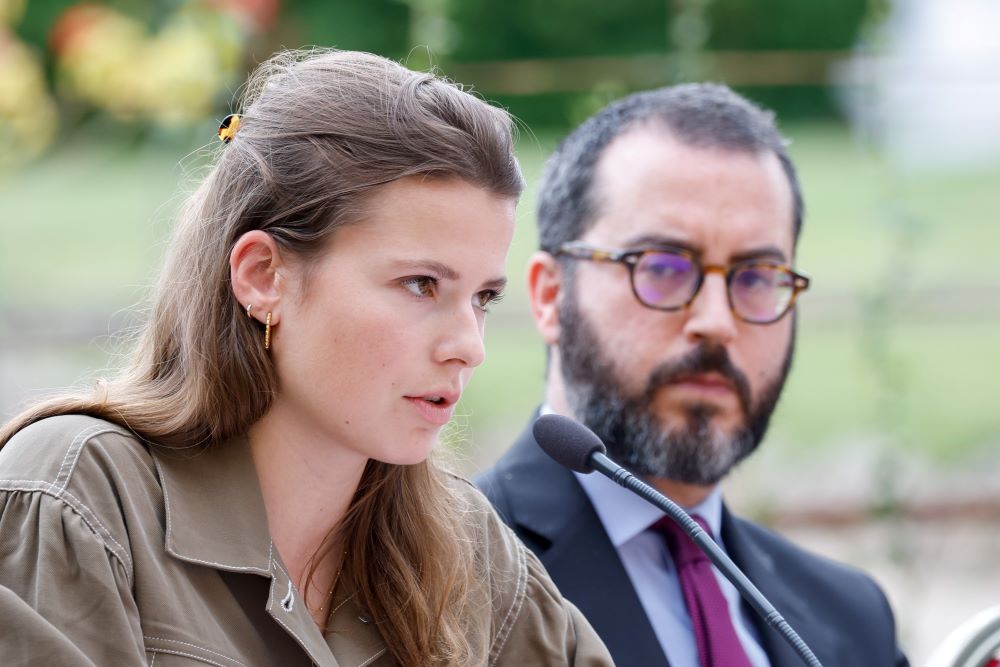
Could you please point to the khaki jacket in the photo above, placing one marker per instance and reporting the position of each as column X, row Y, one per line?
column 115, row 554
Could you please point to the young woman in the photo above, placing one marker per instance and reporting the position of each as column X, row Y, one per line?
column 255, row 489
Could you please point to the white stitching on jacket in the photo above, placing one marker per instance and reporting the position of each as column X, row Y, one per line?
column 199, row 658
column 166, row 505
column 285, row 625
column 125, row 555
column 78, row 441
column 201, row 648
column 79, row 449
column 78, row 508
column 519, row 594
column 373, row 658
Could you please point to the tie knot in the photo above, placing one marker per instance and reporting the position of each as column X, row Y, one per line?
column 682, row 548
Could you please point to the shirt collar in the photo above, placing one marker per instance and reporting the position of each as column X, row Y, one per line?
column 625, row 515
column 214, row 508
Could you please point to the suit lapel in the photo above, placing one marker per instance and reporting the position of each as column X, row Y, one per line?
column 551, row 512
column 793, row 605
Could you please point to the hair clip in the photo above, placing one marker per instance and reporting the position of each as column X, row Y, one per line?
column 228, row 128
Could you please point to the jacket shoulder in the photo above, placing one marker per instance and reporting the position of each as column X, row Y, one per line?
column 799, row 563
column 97, row 469
column 481, row 515
column 838, row 596
column 531, row 623
column 55, row 450
column 68, row 451
column 501, row 565
column 490, row 484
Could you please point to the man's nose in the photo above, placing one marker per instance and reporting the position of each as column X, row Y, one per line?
column 710, row 316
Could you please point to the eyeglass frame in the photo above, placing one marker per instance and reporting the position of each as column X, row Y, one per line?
column 630, row 258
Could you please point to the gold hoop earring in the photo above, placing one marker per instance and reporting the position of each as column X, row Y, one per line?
column 267, row 332
column 249, row 308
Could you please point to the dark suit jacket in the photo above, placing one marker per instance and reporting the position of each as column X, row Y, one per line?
column 839, row 612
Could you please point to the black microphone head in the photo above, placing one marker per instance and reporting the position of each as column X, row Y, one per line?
column 567, row 441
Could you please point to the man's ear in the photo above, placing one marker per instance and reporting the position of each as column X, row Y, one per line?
column 545, row 285
column 254, row 271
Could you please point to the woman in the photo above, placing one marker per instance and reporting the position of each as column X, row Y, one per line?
column 255, row 488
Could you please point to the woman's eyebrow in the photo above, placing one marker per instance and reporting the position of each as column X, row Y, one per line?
column 429, row 266
column 497, row 284
column 443, row 271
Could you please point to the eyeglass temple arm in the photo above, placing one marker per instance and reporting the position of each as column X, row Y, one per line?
column 595, row 254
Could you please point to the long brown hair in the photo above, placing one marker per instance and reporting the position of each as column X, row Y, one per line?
column 320, row 132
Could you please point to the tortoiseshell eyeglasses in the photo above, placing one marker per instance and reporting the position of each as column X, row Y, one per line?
column 760, row 291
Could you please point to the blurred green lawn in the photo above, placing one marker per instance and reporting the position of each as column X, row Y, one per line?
column 84, row 230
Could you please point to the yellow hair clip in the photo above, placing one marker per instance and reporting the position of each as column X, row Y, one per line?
column 228, row 128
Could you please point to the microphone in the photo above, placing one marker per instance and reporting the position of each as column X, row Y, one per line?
column 576, row 447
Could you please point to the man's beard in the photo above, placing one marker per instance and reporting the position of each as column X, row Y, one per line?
column 692, row 451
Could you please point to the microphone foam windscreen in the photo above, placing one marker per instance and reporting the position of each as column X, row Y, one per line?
column 567, row 441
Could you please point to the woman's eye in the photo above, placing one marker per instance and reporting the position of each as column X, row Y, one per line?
column 487, row 298
column 420, row 285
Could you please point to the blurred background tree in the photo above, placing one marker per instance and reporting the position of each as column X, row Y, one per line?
column 108, row 110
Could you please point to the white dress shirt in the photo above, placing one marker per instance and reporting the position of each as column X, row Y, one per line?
column 626, row 518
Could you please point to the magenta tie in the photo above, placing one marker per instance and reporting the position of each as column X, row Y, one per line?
column 715, row 637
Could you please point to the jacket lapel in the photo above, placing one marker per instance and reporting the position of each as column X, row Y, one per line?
column 552, row 514
column 793, row 605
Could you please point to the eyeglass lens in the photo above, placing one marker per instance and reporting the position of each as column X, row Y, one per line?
column 665, row 280
column 758, row 292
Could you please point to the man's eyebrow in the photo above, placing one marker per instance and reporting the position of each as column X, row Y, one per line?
column 659, row 241
column 664, row 241
column 429, row 266
column 763, row 252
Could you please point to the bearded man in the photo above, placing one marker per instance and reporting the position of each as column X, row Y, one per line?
column 665, row 292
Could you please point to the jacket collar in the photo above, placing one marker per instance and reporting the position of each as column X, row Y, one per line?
column 216, row 517
column 215, row 512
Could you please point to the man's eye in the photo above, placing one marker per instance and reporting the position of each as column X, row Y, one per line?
column 487, row 298
column 755, row 278
column 420, row 285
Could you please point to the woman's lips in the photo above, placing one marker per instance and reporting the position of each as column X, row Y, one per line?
column 438, row 414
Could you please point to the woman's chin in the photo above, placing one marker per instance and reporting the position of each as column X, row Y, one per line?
column 417, row 452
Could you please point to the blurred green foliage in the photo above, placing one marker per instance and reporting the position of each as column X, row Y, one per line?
column 378, row 26
column 493, row 30
column 38, row 19
column 785, row 24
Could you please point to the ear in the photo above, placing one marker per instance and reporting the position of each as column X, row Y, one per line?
column 544, row 289
column 254, row 271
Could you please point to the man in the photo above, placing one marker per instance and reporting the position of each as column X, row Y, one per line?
column 665, row 293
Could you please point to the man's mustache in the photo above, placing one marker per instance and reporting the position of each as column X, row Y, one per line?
column 703, row 359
